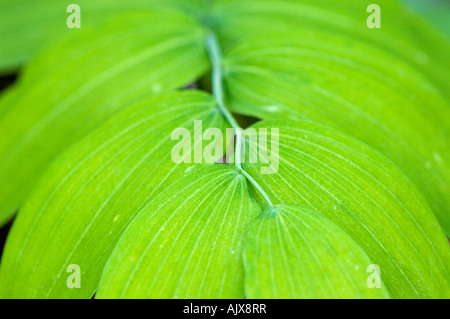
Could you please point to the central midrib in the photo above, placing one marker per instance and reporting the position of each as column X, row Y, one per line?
column 215, row 57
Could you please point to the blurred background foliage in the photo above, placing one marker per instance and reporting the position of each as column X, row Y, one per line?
column 436, row 11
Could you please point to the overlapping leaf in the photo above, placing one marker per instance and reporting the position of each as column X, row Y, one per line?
column 290, row 248
column 90, row 194
column 356, row 88
column 316, row 60
column 402, row 33
column 83, row 81
column 187, row 243
column 367, row 196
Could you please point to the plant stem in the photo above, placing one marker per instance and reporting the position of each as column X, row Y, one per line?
column 215, row 56
column 257, row 186
column 217, row 90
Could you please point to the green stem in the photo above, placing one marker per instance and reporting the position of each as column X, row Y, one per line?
column 215, row 56
column 257, row 186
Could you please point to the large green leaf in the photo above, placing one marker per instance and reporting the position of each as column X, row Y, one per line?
column 28, row 26
column 357, row 88
column 90, row 194
column 82, row 81
column 402, row 33
column 186, row 243
column 365, row 195
column 291, row 248
column 318, row 59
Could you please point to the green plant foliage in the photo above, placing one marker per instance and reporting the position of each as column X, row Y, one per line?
column 402, row 33
column 28, row 26
column 348, row 82
column 366, row 195
column 107, row 71
column 289, row 248
column 92, row 193
column 86, row 141
column 436, row 12
column 186, row 243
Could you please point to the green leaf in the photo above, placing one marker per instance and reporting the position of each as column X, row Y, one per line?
column 402, row 33
column 356, row 88
column 186, row 243
column 318, row 59
column 89, row 195
column 294, row 252
column 81, row 82
column 28, row 26
column 366, row 196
